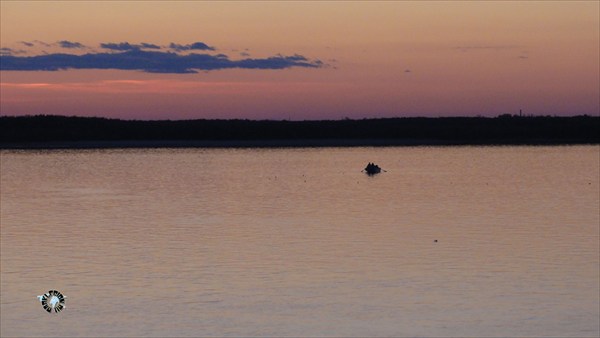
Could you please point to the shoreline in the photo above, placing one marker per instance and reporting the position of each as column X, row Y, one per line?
column 60, row 132
column 280, row 143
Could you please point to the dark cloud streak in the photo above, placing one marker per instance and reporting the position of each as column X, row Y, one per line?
column 149, row 46
column 5, row 51
column 126, row 46
column 193, row 46
column 70, row 44
column 42, row 43
column 122, row 46
column 132, row 58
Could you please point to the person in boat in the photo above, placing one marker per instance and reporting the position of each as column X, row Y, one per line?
column 372, row 168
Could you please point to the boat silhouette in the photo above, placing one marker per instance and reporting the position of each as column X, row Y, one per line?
column 372, row 169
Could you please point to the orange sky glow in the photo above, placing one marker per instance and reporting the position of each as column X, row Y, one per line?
column 377, row 59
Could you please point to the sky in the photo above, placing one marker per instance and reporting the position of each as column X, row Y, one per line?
column 304, row 60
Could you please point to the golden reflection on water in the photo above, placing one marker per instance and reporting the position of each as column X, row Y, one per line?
column 299, row 242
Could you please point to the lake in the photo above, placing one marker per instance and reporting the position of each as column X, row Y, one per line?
column 449, row 241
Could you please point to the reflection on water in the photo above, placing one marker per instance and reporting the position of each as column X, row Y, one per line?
column 299, row 242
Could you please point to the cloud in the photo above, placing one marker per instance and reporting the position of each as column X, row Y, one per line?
column 42, row 43
column 132, row 58
column 122, row 46
column 10, row 51
column 69, row 44
column 193, row 46
column 6, row 51
column 28, row 44
column 149, row 46
column 125, row 46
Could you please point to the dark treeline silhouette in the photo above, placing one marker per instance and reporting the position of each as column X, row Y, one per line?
column 50, row 131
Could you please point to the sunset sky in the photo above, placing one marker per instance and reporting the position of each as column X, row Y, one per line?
column 299, row 60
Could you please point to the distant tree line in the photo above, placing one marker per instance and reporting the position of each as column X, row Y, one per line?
column 504, row 129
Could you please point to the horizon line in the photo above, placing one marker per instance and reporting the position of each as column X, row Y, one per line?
column 505, row 115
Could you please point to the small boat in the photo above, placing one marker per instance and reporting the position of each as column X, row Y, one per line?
column 372, row 169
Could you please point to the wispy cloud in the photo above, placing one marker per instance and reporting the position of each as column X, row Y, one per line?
column 45, row 44
column 25, row 85
column 131, row 58
column 70, row 44
column 161, row 86
column 149, row 45
column 11, row 51
column 192, row 46
column 121, row 46
column 125, row 46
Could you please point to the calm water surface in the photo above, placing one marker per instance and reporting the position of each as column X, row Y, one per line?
column 298, row 242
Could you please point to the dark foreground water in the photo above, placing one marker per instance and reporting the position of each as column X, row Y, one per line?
column 298, row 242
